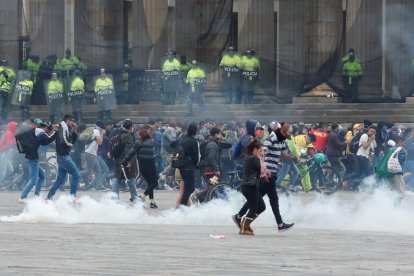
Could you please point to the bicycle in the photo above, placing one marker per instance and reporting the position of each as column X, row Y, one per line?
column 324, row 178
column 221, row 190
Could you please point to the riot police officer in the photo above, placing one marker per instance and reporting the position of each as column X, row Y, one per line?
column 7, row 78
column 171, row 78
column 54, row 90
column 196, row 78
column 230, row 64
column 250, row 76
column 76, row 94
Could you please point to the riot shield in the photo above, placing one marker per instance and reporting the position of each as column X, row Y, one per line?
column 23, row 88
column 75, row 90
column 105, row 92
column 54, row 96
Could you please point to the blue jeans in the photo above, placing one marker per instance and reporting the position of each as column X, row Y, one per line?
column 287, row 166
column 65, row 166
column 131, row 184
column 36, row 178
column 103, row 166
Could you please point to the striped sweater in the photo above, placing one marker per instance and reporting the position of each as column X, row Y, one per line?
column 273, row 149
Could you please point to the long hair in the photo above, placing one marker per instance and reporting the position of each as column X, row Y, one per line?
column 254, row 144
column 143, row 133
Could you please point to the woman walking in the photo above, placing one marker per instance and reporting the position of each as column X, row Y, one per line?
column 145, row 152
column 252, row 168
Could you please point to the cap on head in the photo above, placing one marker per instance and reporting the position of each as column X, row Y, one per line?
column 100, row 124
column 54, row 75
column 274, row 125
column 103, row 71
column 37, row 121
column 249, row 52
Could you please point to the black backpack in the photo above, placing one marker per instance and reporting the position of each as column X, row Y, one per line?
column 25, row 141
column 179, row 158
column 354, row 144
column 115, row 146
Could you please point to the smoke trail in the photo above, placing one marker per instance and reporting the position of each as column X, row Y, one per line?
column 350, row 211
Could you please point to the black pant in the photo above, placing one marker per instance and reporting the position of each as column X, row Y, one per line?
column 188, row 178
column 4, row 106
column 337, row 164
column 351, row 87
column 254, row 203
column 149, row 173
column 105, row 114
column 269, row 189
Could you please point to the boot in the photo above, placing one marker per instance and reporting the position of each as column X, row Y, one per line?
column 245, row 226
column 237, row 220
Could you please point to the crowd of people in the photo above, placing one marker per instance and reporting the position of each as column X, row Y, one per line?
column 112, row 156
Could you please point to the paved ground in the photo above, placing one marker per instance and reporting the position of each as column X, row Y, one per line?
column 137, row 241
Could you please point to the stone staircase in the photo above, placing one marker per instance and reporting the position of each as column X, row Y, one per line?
column 264, row 112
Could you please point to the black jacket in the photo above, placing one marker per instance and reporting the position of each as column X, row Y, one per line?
column 65, row 141
column 334, row 147
column 145, row 150
column 212, row 155
column 191, row 149
column 38, row 137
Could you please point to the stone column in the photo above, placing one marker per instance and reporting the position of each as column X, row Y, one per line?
column 70, row 25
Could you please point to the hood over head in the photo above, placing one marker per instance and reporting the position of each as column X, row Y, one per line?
column 251, row 126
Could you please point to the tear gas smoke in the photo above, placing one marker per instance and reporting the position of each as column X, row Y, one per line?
column 351, row 211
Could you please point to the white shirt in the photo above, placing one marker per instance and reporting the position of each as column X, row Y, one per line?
column 92, row 148
column 365, row 152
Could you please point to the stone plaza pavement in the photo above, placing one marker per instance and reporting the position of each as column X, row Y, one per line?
column 51, row 248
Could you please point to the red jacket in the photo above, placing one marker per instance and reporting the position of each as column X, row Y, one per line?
column 8, row 139
column 321, row 139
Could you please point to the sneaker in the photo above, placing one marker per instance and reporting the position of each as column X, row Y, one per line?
column 285, row 227
column 237, row 220
column 162, row 176
column 194, row 198
column 168, row 188
column 153, row 205
column 23, row 200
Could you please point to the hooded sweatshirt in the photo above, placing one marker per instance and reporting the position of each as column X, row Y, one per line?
column 245, row 139
column 8, row 139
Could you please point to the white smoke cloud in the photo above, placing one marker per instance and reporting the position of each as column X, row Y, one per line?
column 347, row 211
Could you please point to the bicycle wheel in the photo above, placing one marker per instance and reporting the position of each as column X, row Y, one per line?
column 219, row 191
column 326, row 180
column 50, row 174
column 52, row 160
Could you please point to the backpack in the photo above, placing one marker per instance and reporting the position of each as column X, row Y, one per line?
column 381, row 170
column 203, row 146
column 86, row 136
column 236, row 150
column 354, row 144
column 115, row 146
column 25, row 140
column 179, row 158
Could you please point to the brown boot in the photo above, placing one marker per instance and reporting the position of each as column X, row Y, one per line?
column 245, row 226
